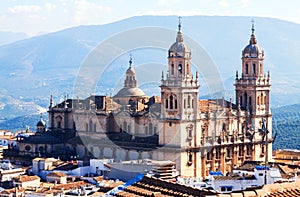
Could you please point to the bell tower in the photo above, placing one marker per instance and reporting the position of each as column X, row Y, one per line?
column 179, row 108
column 253, row 87
column 179, row 91
column 252, row 91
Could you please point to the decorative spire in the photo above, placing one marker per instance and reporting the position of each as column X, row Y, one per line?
column 130, row 60
column 253, row 38
column 179, row 34
column 50, row 101
column 130, row 81
column 253, row 29
column 179, row 23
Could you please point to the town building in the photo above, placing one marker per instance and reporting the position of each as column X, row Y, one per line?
column 26, row 181
column 198, row 135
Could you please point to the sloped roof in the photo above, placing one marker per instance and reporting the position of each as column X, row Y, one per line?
column 26, row 178
column 56, row 174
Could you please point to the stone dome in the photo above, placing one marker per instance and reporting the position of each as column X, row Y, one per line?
column 179, row 48
column 130, row 71
column 253, row 49
column 41, row 123
column 130, row 92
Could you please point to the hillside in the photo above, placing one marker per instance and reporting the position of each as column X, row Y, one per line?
column 34, row 68
column 286, row 122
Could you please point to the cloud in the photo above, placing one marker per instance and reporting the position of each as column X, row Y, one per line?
column 88, row 13
column 168, row 3
column 171, row 12
column 223, row 3
column 49, row 7
column 24, row 8
column 245, row 3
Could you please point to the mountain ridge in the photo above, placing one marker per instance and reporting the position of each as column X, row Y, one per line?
column 34, row 68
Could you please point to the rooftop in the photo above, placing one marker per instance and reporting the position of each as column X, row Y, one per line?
column 56, row 174
column 26, row 178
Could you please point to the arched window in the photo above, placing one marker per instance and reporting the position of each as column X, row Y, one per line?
column 241, row 101
column 172, row 69
column 155, row 130
column 180, row 68
column 171, row 101
column 91, row 125
column 260, row 69
column 129, row 127
column 27, row 148
column 246, row 99
column 224, row 127
column 59, row 124
column 262, row 99
column 208, row 157
column 189, row 101
column 146, row 130
column 254, row 69
column 190, row 159
column 258, row 100
column 150, row 128
column 265, row 100
column 167, row 103
column 175, row 103
column 41, row 149
column 187, row 68
column 184, row 103
column 228, row 153
column 241, row 150
column 248, row 150
column 218, row 153
column 58, row 121
column 124, row 126
column 246, row 69
column 250, row 101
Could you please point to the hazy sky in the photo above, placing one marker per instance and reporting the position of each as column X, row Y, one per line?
column 36, row 16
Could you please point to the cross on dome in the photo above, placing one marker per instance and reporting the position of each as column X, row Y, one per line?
column 179, row 23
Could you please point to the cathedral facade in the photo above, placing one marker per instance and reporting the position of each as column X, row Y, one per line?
column 199, row 135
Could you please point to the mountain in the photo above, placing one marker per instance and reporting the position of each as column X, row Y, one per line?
column 33, row 68
column 286, row 123
column 10, row 37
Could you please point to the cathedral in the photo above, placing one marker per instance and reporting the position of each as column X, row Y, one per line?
column 198, row 135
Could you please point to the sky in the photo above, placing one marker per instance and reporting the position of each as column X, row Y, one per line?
column 35, row 17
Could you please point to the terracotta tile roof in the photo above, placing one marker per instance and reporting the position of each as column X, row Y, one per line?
column 12, row 190
column 98, row 178
column 291, row 189
column 68, row 186
column 156, row 187
column 21, row 170
column 247, row 167
column 57, row 174
column 26, row 178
